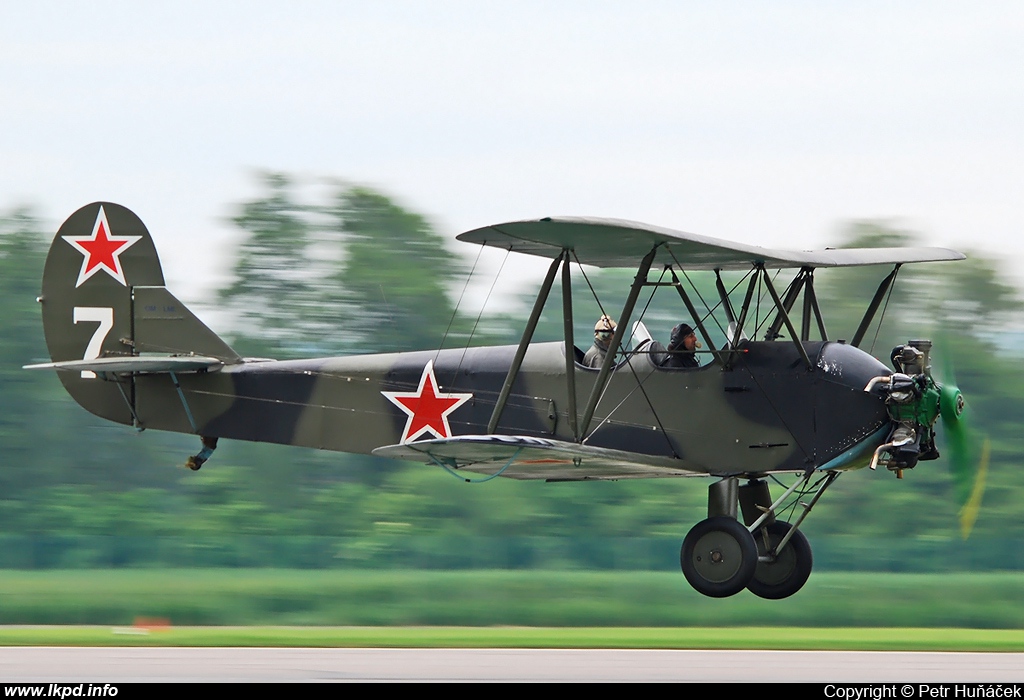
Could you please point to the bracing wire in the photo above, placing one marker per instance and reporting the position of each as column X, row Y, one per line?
column 480, row 314
column 710, row 311
column 786, row 510
column 881, row 316
column 462, row 296
column 593, row 292
column 647, row 305
column 639, row 383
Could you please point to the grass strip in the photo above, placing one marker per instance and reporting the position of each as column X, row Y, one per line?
column 785, row 638
column 521, row 599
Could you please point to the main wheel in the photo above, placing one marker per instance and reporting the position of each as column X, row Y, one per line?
column 718, row 557
column 788, row 572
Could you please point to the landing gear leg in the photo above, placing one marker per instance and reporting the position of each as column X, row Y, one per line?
column 194, row 462
column 784, row 554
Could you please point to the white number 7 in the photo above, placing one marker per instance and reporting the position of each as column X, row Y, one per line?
column 104, row 315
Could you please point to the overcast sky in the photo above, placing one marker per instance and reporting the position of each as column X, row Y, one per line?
column 766, row 123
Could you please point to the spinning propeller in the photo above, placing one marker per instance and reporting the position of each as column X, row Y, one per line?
column 915, row 402
column 968, row 451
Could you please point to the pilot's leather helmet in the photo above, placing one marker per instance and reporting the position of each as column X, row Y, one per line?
column 678, row 333
column 604, row 325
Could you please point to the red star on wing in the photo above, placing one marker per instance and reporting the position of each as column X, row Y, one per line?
column 427, row 410
column 102, row 251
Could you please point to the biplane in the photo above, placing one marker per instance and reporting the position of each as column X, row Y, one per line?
column 783, row 407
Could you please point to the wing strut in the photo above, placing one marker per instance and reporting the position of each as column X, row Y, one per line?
column 791, row 294
column 184, row 403
column 696, row 316
column 811, row 305
column 738, row 332
column 524, row 343
column 730, row 314
column 609, row 359
column 570, row 352
column 785, row 317
column 869, row 314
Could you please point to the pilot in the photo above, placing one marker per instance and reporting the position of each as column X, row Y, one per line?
column 682, row 347
column 603, row 330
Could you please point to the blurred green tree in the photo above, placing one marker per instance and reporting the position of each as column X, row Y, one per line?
column 394, row 276
column 274, row 298
column 23, row 411
column 358, row 273
column 932, row 299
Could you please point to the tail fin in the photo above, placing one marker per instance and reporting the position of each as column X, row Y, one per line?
column 104, row 297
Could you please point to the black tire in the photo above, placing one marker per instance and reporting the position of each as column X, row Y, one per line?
column 718, row 557
column 789, row 572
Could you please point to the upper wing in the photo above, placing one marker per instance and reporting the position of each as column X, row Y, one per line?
column 523, row 457
column 618, row 243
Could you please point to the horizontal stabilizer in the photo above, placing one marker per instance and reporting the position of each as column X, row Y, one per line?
column 162, row 324
column 524, row 457
column 136, row 364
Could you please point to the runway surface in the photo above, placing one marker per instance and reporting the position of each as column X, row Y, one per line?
column 135, row 664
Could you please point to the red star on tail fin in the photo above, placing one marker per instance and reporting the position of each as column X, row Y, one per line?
column 102, row 251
